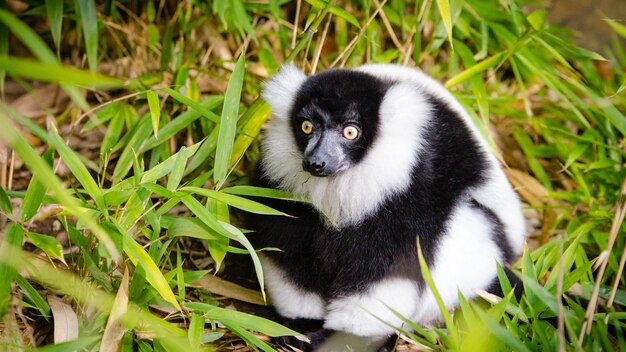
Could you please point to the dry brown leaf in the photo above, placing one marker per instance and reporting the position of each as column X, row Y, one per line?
column 228, row 289
column 40, row 101
column 114, row 331
column 65, row 320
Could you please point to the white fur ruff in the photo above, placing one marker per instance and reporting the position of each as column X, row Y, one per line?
column 351, row 195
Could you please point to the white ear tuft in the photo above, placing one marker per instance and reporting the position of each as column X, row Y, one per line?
column 280, row 91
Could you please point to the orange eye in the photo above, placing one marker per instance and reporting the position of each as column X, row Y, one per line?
column 351, row 132
column 307, row 127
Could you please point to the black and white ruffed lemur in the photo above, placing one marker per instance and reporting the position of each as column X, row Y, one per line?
column 386, row 156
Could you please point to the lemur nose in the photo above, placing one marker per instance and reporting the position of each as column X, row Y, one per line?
column 314, row 165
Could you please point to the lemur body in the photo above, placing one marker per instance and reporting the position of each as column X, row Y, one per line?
column 386, row 156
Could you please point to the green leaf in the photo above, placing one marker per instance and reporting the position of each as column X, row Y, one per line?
column 196, row 329
column 5, row 202
column 73, row 345
column 41, row 71
column 54, row 9
column 248, row 321
column 471, row 71
column 198, row 107
column 442, row 307
column 337, row 11
column 90, row 29
column 39, row 48
column 228, row 123
column 178, row 170
column 155, row 110
column 444, row 12
column 191, row 227
column 262, row 192
column 79, row 170
column 617, row 27
column 37, row 165
column 167, row 166
column 115, row 127
column 537, row 19
column 138, row 256
column 35, row 193
column 48, row 244
column 10, row 254
column 33, row 296
column 237, row 202
column 226, row 230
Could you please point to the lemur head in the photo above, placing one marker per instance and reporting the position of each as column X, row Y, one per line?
column 333, row 116
column 344, row 139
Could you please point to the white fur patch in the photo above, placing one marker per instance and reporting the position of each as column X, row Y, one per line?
column 465, row 260
column 384, row 171
column 289, row 300
column 496, row 193
column 356, row 314
column 280, row 91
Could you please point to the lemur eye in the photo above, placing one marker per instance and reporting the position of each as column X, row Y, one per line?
column 307, row 127
column 351, row 132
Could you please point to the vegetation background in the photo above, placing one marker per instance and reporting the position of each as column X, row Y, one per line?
column 129, row 129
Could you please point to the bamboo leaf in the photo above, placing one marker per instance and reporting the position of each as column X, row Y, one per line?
column 90, row 29
column 446, row 16
column 237, row 202
column 155, row 277
column 155, row 110
column 431, row 284
column 337, row 11
column 10, row 254
column 79, row 170
column 33, row 296
column 48, row 244
column 228, row 123
column 53, row 72
column 198, row 107
column 54, row 9
column 5, row 202
column 35, row 163
column 480, row 67
column 178, row 169
column 248, row 321
column 226, row 230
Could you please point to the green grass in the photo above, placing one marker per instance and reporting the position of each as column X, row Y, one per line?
column 121, row 231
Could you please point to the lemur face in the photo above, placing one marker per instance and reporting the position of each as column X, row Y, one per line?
column 335, row 119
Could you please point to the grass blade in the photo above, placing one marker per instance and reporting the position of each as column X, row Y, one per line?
column 53, row 72
column 335, row 10
column 10, row 254
column 39, row 48
column 237, row 202
column 79, row 170
column 33, row 296
column 431, row 284
column 37, row 165
column 444, row 12
column 202, row 109
column 228, row 123
column 225, row 230
column 5, row 202
column 90, row 29
column 155, row 110
column 48, row 244
column 54, row 8
column 155, row 277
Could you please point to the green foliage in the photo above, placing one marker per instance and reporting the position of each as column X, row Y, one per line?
column 172, row 90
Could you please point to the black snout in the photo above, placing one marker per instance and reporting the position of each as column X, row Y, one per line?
column 315, row 166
